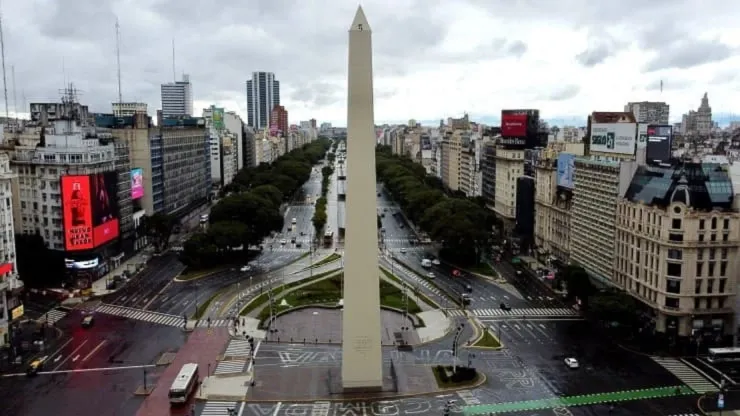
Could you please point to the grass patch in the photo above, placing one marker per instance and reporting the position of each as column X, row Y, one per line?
column 262, row 299
column 328, row 292
column 488, row 340
column 326, row 260
column 462, row 377
column 189, row 274
column 418, row 293
column 484, row 269
column 203, row 307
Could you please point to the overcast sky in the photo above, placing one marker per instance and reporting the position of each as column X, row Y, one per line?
column 433, row 58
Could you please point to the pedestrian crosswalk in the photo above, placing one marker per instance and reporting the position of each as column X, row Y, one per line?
column 220, row 408
column 238, row 348
column 53, row 316
column 140, row 315
column 204, row 323
column 519, row 312
column 321, row 409
column 686, row 414
column 687, row 375
column 231, row 366
column 418, row 280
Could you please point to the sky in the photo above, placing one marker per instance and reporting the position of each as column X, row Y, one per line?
column 433, row 59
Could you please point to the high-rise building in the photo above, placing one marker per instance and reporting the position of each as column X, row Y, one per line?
column 279, row 120
column 649, row 112
column 129, row 109
column 10, row 287
column 698, row 123
column 263, row 94
column 177, row 98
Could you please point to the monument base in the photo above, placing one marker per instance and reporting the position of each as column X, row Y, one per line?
column 362, row 389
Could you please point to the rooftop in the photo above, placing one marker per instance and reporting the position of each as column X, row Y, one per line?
column 702, row 186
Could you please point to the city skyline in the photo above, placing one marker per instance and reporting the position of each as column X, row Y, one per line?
column 563, row 70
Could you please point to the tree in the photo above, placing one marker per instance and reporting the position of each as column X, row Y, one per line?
column 159, row 228
column 421, row 199
column 577, row 282
column 229, row 235
column 37, row 266
column 613, row 307
column 199, row 251
column 270, row 193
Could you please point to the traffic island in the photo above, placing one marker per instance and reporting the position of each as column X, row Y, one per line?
column 449, row 377
column 487, row 341
column 323, row 262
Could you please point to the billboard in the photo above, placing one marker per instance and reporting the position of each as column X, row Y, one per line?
column 77, row 213
column 137, row 183
column 642, row 135
column 659, row 143
column 566, row 168
column 217, row 116
column 513, row 124
column 618, row 138
column 104, row 187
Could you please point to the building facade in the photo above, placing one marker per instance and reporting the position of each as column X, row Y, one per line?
column 10, row 286
column 279, row 121
column 129, row 109
column 263, row 94
column 649, row 112
column 509, row 167
column 177, row 98
column 186, row 165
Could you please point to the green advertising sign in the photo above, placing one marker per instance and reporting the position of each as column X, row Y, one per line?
column 217, row 115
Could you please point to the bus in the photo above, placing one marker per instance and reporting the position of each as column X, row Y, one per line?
column 724, row 354
column 184, row 384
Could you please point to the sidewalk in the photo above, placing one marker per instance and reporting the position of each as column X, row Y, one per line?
column 110, row 283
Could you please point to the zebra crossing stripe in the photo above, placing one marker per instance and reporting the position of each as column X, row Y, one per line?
column 218, row 408
column 688, row 376
column 526, row 312
column 231, row 366
column 53, row 316
column 238, row 348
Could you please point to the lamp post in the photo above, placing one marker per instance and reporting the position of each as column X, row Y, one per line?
column 313, row 318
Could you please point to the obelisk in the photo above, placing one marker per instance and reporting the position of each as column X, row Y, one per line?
column 362, row 359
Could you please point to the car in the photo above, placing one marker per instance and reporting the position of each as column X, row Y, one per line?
column 283, row 242
column 435, row 262
column 430, row 275
column 403, row 251
column 292, row 240
column 35, row 366
column 571, row 363
column 246, row 268
column 87, row 321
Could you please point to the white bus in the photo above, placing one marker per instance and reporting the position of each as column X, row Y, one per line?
column 724, row 354
column 184, row 384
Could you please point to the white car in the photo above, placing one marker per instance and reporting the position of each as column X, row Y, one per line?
column 246, row 268
column 435, row 262
column 403, row 251
column 430, row 275
column 571, row 362
column 283, row 242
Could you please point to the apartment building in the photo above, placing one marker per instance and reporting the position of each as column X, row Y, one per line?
column 677, row 248
column 129, row 109
column 223, row 147
column 469, row 171
column 457, row 161
column 509, row 167
column 488, row 173
column 11, row 307
column 649, row 112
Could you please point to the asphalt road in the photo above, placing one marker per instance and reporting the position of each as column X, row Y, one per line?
column 92, row 371
column 141, row 290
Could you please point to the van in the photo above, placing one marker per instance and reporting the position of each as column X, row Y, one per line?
column 426, row 263
column 293, row 221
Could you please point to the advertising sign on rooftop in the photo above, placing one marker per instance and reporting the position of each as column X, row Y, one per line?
column 616, row 138
column 566, row 168
column 217, row 116
column 642, row 135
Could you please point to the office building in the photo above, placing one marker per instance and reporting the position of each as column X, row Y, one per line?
column 186, row 164
column 11, row 307
column 699, row 122
column 509, row 167
column 129, row 109
column 525, row 212
column 649, row 112
column 279, row 121
column 263, row 94
column 488, row 170
column 235, row 125
column 45, row 114
column 676, row 251
column 177, row 98
column 223, row 147
column 248, row 157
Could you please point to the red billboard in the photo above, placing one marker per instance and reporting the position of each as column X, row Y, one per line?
column 90, row 210
column 77, row 213
column 513, row 125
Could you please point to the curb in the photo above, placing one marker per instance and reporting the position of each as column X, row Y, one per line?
column 198, row 276
column 699, row 406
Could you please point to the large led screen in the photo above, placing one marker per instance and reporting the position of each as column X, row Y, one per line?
column 77, row 213
column 104, row 188
column 137, row 183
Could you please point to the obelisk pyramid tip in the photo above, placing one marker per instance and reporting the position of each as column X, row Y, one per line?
column 359, row 23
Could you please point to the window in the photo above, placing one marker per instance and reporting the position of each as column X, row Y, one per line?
column 722, row 284
column 675, row 237
column 726, row 223
column 697, row 286
column 700, row 254
column 714, row 223
column 710, row 286
column 722, row 269
column 673, row 286
column 712, row 253
column 671, row 302
column 675, row 254
column 701, row 237
column 711, row 269
column 699, row 268
column 701, row 224
column 674, row 269
column 724, row 253
column 676, row 224
column 697, row 303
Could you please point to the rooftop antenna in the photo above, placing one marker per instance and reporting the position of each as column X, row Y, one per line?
column 174, row 73
column 118, row 60
column 5, row 81
column 15, row 101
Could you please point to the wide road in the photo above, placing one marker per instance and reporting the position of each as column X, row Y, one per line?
column 143, row 288
column 93, row 371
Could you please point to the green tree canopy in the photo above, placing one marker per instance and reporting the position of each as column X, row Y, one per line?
column 158, row 228
column 270, row 193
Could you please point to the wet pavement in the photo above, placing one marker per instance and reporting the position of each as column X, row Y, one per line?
column 324, row 325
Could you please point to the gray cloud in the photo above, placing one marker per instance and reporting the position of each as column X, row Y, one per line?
column 687, row 54
column 562, row 93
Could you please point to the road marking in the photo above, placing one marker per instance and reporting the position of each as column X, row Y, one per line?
column 76, row 357
column 59, row 350
column 277, row 408
column 94, row 350
column 70, row 355
column 84, row 370
column 157, row 295
column 254, row 355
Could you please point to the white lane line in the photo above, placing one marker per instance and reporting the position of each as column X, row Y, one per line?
column 70, row 355
column 94, row 350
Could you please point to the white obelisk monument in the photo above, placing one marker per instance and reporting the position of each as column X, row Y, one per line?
column 362, row 359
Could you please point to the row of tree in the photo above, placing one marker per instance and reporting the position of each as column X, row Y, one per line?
column 461, row 224
column 319, row 215
column 251, row 209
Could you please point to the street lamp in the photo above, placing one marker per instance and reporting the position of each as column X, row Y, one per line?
column 315, row 314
